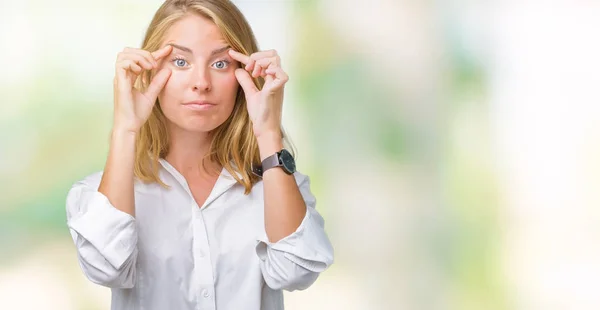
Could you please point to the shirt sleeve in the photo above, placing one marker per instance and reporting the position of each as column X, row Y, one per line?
column 105, row 237
column 295, row 262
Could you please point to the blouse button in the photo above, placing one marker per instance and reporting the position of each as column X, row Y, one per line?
column 206, row 293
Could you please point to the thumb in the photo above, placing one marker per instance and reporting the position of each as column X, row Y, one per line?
column 246, row 81
column 157, row 84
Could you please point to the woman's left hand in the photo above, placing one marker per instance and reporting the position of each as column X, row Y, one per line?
column 265, row 105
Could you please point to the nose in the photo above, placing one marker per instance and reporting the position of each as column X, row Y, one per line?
column 201, row 80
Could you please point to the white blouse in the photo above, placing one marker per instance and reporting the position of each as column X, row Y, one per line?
column 176, row 255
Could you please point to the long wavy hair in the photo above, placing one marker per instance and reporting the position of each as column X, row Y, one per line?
column 234, row 145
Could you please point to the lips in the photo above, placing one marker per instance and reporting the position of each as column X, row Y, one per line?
column 199, row 105
column 199, row 102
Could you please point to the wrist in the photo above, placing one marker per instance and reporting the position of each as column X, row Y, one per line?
column 269, row 144
column 122, row 146
column 121, row 134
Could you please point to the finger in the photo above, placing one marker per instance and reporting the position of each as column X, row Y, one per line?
column 250, row 65
column 246, row 81
column 129, row 65
column 277, row 72
column 256, row 70
column 258, row 57
column 158, row 82
column 266, row 62
column 270, row 77
column 245, row 59
column 166, row 50
column 141, row 60
column 135, row 68
column 278, row 76
column 263, row 54
column 123, row 79
column 145, row 54
column 262, row 72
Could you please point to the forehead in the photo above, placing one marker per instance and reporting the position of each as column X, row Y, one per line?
column 196, row 32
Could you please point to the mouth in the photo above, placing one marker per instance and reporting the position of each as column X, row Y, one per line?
column 199, row 105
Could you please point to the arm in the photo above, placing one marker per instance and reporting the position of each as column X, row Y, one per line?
column 117, row 180
column 297, row 248
column 101, row 208
column 105, row 237
column 284, row 206
column 101, row 220
column 132, row 108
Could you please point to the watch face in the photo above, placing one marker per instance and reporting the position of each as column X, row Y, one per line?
column 287, row 161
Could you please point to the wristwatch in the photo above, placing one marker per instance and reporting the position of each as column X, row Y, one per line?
column 282, row 159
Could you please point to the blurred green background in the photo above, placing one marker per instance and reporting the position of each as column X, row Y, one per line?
column 452, row 145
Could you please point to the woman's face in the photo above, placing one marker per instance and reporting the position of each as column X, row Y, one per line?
column 200, row 94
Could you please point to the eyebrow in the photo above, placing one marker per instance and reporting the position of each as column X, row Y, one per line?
column 189, row 50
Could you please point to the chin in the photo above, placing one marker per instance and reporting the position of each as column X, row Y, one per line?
column 199, row 124
column 196, row 122
column 198, row 127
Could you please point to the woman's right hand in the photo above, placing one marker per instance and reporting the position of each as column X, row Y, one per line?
column 133, row 107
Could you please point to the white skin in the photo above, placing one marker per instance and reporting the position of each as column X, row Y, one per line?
column 199, row 74
column 201, row 70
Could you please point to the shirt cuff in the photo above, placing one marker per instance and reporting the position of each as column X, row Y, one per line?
column 308, row 246
column 111, row 231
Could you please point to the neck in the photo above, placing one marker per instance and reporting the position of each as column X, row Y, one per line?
column 186, row 151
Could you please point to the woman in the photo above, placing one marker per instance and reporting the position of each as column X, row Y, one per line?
column 199, row 205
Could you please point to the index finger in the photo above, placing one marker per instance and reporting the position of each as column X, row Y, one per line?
column 245, row 59
column 160, row 53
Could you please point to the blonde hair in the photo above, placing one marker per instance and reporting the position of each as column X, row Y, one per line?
column 234, row 145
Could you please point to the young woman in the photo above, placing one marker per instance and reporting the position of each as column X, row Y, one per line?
column 199, row 205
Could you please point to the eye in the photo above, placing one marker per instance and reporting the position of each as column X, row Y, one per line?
column 221, row 64
column 179, row 62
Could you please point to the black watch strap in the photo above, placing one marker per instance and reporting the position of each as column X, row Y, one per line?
column 267, row 163
column 282, row 159
column 271, row 162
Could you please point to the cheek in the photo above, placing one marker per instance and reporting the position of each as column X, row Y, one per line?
column 228, row 85
column 176, row 82
column 172, row 91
